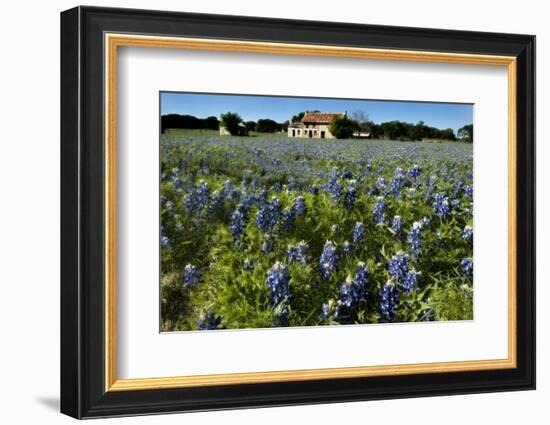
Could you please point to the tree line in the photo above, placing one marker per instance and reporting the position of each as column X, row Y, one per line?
column 358, row 122
column 342, row 128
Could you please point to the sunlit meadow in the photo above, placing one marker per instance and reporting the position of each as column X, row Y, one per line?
column 269, row 232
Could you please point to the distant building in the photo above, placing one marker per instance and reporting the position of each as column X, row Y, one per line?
column 242, row 130
column 362, row 134
column 314, row 125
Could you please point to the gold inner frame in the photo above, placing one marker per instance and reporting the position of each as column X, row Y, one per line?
column 113, row 41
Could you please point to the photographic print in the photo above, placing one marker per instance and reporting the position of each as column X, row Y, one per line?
column 291, row 211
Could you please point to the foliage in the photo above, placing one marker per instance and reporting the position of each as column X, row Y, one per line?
column 231, row 121
column 250, row 126
column 298, row 117
column 399, row 130
column 290, row 232
column 188, row 122
column 362, row 118
column 343, row 128
column 466, row 133
column 267, row 126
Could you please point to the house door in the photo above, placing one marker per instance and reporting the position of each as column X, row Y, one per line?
column 322, row 134
column 293, row 131
column 310, row 133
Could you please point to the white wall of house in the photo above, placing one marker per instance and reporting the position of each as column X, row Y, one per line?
column 313, row 131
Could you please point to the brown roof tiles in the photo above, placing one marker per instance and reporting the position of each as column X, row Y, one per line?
column 321, row 117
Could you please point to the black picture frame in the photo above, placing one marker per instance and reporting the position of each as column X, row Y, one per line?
column 83, row 392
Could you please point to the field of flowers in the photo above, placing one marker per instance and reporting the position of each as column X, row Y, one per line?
column 267, row 232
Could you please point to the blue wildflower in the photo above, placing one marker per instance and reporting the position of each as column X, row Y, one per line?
column 278, row 281
column 216, row 203
column 300, row 206
column 191, row 276
column 398, row 266
column 230, row 192
column 329, row 259
column 378, row 211
column 197, row 199
column 248, row 266
column 268, row 215
column 389, row 300
column 165, row 242
column 298, row 252
column 411, row 281
column 313, row 189
column 346, row 247
column 351, row 194
column 467, row 266
column 346, row 174
column 288, row 219
column 424, row 222
column 441, row 205
column 414, row 237
column 325, row 311
column 399, row 173
column 209, row 322
column 238, row 222
column 334, row 189
column 414, row 172
column 396, row 224
column 467, row 233
column 468, row 190
column 353, row 292
column 358, row 233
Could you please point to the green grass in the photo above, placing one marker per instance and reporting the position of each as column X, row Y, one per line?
column 190, row 132
column 196, row 132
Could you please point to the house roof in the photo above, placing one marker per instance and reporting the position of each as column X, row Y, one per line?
column 321, row 117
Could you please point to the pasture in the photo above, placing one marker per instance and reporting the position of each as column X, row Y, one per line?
column 263, row 232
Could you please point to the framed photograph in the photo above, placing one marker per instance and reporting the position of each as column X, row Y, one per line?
column 261, row 212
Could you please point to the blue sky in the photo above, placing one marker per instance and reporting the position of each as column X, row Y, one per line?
column 280, row 109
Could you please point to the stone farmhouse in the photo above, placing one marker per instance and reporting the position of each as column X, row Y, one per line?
column 241, row 130
column 314, row 125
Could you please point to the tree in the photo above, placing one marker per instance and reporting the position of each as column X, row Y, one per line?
column 211, row 123
column 284, row 125
column 466, row 133
column 250, row 126
column 266, row 126
column 343, row 128
column 376, row 131
column 418, row 131
column 297, row 117
column 362, row 118
column 231, row 121
column 180, row 121
column 447, row 134
column 396, row 130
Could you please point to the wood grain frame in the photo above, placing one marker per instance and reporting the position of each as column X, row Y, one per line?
column 90, row 38
column 114, row 41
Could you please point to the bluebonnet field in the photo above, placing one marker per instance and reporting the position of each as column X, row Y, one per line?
column 268, row 232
